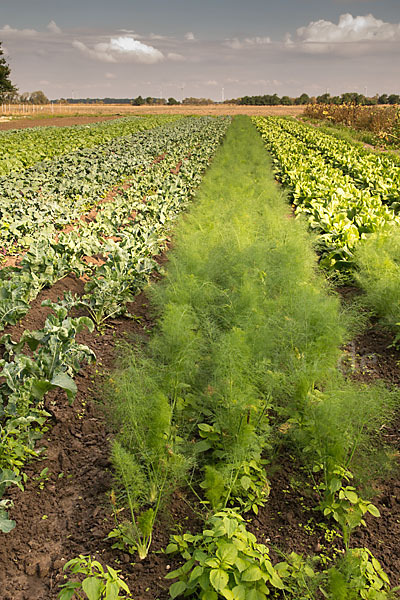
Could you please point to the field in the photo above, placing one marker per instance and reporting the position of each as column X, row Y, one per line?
column 199, row 374
column 14, row 117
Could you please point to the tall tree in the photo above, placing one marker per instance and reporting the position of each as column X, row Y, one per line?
column 6, row 87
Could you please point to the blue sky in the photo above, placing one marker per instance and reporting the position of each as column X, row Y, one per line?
column 212, row 48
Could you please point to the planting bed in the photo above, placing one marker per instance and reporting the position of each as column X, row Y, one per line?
column 234, row 355
column 77, row 504
column 52, row 122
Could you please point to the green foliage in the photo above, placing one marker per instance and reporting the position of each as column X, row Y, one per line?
column 340, row 208
column 378, row 274
column 346, row 507
column 247, row 488
column 359, row 575
column 45, row 198
column 130, row 259
column 378, row 173
column 22, row 148
column 333, row 433
column 335, row 439
column 224, row 561
column 245, row 320
column 99, row 584
column 136, row 535
column 39, row 362
column 6, row 87
column 245, row 324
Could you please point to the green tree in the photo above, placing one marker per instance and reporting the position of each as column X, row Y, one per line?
column 38, row 97
column 138, row 101
column 303, row 99
column 6, row 87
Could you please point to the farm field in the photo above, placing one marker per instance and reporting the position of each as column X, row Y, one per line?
column 74, row 114
column 215, row 398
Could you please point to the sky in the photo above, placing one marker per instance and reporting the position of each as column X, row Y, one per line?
column 216, row 49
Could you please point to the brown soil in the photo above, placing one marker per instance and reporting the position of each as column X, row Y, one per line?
column 24, row 123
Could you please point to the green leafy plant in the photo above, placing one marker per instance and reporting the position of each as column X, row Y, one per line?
column 7, row 478
column 134, row 535
column 359, row 574
column 347, row 508
column 99, row 583
column 340, row 209
column 225, row 560
column 56, row 356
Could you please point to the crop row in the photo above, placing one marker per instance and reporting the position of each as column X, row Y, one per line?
column 20, row 149
column 156, row 199
column 335, row 207
column 50, row 259
column 44, row 199
column 377, row 173
column 247, row 339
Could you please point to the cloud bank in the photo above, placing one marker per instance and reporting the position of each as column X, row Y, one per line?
column 121, row 49
column 350, row 33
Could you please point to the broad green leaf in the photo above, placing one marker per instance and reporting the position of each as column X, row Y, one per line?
column 239, row 592
column 245, row 482
column 253, row 573
column 177, row 589
column 92, row 587
column 112, row 590
column 351, row 496
column 373, row 510
column 64, row 381
column 227, row 553
column 6, row 525
column 197, row 572
column 219, row 579
column 209, row 595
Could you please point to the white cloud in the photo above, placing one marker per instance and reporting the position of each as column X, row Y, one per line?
column 10, row 32
column 175, row 56
column 110, row 76
column 350, row 34
column 53, row 27
column 190, row 37
column 237, row 44
column 121, row 49
column 211, row 82
column 157, row 36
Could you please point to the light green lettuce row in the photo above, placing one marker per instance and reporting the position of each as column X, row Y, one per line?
column 377, row 173
column 335, row 208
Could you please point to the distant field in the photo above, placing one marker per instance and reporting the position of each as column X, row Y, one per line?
column 54, row 114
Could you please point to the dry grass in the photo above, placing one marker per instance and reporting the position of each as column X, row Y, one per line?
column 127, row 109
column 383, row 121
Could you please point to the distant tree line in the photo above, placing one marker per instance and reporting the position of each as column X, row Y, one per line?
column 138, row 101
column 346, row 98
